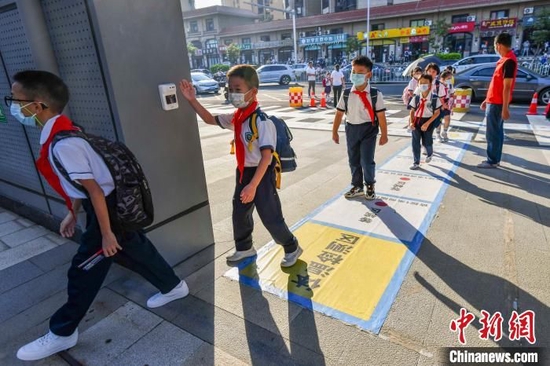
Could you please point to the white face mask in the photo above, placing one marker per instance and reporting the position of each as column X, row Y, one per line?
column 423, row 87
column 15, row 111
column 238, row 99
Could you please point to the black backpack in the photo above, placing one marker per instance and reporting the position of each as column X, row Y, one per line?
column 373, row 96
column 134, row 208
column 285, row 157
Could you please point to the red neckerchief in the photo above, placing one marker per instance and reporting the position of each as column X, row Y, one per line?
column 420, row 110
column 366, row 103
column 238, row 118
column 62, row 123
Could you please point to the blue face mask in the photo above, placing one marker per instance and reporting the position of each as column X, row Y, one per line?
column 15, row 111
column 358, row 79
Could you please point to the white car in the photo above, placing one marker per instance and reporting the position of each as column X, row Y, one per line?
column 282, row 74
column 473, row 61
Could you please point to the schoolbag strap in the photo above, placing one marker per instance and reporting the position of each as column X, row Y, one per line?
column 254, row 129
column 346, row 97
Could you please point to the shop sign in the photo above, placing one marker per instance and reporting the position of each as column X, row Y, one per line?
column 529, row 21
column 462, row 27
column 273, row 44
column 245, row 46
column 498, row 23
column 418, row 39
column 223, row 48
column 326, row 39
column 198, row 52
column 399, row 32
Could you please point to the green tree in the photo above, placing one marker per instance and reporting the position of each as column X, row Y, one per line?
column 233, row 53
column 541, row 32
column 437, row 34
column 352, row 45
column 191, row 49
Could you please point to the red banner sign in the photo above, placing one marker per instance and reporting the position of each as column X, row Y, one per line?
column 418, row 39
column 462, row 27
column 499, row 23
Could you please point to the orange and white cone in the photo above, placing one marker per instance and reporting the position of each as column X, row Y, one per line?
column 533, row 107
column 312, row 101
column 323, row 100
column 547, row 111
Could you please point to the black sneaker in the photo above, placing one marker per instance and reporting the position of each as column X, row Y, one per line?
column 354, row 192
column 370, row 195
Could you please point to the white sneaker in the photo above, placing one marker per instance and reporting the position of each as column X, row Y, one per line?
column 237, row 255
column 414, row 167
column 445, row 136
column 160, row 299
column 46, row 346
column 428, row 158
column 290, row 258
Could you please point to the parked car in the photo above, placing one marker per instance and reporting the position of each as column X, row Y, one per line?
column 424, row 61
column 472, row 61
column 300, row 71
column 203, row 71
column 204, row 84
column 527, row 83
column 379, row 73
column 282, row 74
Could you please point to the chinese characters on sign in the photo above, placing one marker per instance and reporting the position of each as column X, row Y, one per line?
column 327, row 261
column 519, row 326
column 498, row 23
column 329, row 38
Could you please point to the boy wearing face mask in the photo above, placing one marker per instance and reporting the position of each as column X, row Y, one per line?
column 364, row 120
column 424, row 111
column 255, row 166
column 38, row 98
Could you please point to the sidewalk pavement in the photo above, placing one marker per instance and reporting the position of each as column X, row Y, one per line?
column 488, row 249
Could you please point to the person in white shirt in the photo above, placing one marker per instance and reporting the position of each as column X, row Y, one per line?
column 338, row 82
column 425, row 108
column 442, row 134
column 311, row 75
column 38, row 98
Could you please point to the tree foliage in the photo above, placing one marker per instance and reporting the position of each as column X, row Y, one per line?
column 541, row 32
column 233, row 53
column 438, row 32
column 353, row 44
column 191, row 49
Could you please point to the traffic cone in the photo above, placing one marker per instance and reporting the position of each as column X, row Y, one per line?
column 533, row 107
column 312, row 101
column 323, row 100
column 547, row 111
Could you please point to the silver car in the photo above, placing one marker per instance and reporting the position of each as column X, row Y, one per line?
column 203, row 84
column 527, row 83
column 282, row 74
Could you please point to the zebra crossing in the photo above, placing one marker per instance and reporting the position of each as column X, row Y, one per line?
column 533, row 129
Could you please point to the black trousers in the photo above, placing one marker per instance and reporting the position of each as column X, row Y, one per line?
column 361, row 141
column 269, row 209
column 337, row 90
column 138, row 254
column 311, row 88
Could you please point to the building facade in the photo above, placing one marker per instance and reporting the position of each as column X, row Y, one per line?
column 405, row 29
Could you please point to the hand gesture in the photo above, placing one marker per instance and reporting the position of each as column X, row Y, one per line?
column 483, row 105
column 336, row 137
column 383, row 140
column 248, row 193
column 67, row 226
column 110, row 245
column 425, row 126
column 187, row 90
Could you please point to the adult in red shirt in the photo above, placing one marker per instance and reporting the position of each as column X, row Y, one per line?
column 499, row 95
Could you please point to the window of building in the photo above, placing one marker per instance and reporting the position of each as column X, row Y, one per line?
column 337, row 31
column 325, row 4
column 345, row 5
column 265, row 38
column 227, row 42
column 209, row 24
column 417, row 23
column 193, row 27
column 377, row 27
column 499, row 14
column 390, row 2
column 459, row 18
column 286, row 36
column 311, row 33
column 246, row 41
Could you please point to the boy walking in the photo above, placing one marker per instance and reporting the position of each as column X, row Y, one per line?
column 38, row 98
column 256, row 186
column 366, row 116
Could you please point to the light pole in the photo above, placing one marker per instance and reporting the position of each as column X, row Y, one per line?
column 292, row 11
column 368, row 29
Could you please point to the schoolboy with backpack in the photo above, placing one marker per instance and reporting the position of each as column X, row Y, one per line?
column 365, row 112
column 261, row 144
column 425, row 109
column 106, row 180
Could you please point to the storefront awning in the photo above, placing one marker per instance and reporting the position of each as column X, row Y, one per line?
column 336, row 46
column 312, row 48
